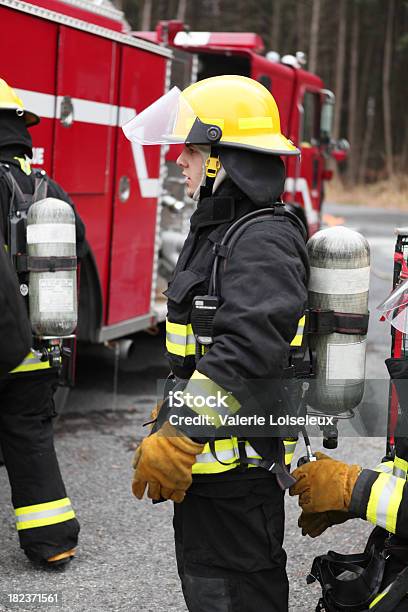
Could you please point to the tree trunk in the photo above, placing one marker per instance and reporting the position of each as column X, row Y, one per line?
column 181, row 10
column 146, row 15
column 353, row 102
column 368, row 134
column 314, row 36
column 386, row 89
column 276, row 25
column 300, row 26
column 339, row 79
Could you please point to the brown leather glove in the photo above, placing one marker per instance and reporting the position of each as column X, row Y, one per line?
column 316, row 523
column 325, row 484
column 163, row 463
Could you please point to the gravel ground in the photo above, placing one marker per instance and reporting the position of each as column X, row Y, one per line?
column 126, row 558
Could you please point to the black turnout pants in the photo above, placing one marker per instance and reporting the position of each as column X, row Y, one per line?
column 229, row 551
column 26, row 439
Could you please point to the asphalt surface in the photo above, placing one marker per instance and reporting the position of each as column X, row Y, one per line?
column 126, row 559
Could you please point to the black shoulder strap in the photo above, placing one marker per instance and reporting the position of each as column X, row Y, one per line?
column 18, row 199
column 224, row 248
column 40, row 185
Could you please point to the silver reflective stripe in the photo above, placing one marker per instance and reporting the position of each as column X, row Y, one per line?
column 399, row 472
column 202, row 388
column 43, row 514
column 384, row 501
column 226, row 455
column 221, row 455
column 179, row 339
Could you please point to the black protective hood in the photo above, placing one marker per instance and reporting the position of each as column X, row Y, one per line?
column 260, row 176
column 14, row 135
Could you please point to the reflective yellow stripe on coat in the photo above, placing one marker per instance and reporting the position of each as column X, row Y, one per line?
column 31, row 363
column 385, row 499
column 180, row 339
column 41, row 515
column 226, row 451
column 298, row 339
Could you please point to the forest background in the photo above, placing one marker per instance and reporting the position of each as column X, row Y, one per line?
column 358, row 47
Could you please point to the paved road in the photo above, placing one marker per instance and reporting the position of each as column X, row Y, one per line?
column 126, row 560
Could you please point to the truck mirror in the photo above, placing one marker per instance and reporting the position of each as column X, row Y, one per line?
column 326, row 118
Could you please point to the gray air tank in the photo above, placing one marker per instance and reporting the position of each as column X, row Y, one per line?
column 52, row 295
column 339, row 281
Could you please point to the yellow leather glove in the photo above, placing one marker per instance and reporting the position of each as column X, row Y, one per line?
column 163, row 463
column 325, row 484
column 316, row 523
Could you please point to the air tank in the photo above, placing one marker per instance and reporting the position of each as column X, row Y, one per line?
column 340, row 270
column 52, row 295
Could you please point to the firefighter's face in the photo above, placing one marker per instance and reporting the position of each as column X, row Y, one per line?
column 191, row 162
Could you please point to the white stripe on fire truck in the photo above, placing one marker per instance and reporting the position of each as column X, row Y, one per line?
column 99, row 113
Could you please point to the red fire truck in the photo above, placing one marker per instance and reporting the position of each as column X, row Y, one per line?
column 77, row 65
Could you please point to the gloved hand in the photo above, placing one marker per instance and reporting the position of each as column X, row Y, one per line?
column 316, row 523
column 325, row 484
column 163, row 463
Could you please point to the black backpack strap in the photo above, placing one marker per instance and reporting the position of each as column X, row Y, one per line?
column 40, row 185
column 18, row 199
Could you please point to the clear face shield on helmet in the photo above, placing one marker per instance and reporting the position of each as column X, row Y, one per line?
column 395, row 307
column 170, row 120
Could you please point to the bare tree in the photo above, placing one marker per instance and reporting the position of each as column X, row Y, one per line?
column 314, row 36
column 340, row 60
column 352, row 102
column 300, row 26
column 368, row 135
column 276, row 24
column 386, row 89
column 181, row 10
column 146, row 15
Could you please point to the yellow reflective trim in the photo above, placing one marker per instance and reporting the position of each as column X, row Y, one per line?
column 377, row 599
column 297, row 340
column 51, row 520
column 215, row 467
column 401, row 464
column 31, row 363
column 375, row 495
column 179, row 328
column 393, row 505
column 249, row 123
column 196, row 375
column 178, row 349
column 24, row 165
column 59, row 503
column 385, row 467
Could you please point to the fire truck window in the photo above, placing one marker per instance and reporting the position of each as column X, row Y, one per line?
column 310, row 123
column 265, row 81
column 214, row 64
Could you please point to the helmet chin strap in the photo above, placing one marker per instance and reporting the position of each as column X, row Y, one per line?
column 212, row 166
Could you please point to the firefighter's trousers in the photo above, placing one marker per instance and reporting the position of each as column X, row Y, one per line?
column 229, row 547
column 45, row 520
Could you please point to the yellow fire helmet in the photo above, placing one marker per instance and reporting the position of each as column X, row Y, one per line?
column 9, row 100
column 225, row 111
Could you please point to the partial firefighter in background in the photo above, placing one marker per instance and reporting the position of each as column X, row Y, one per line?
column 15, row 328
column 43, row 236
column 332, row 492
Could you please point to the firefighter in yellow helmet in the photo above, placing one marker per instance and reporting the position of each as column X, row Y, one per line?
column 45, row 520
column 228, row 337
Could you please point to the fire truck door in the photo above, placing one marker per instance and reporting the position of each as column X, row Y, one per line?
column 137, row 187
column 309, row 183
column 84, row 133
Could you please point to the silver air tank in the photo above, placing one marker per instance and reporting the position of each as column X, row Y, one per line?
column 339, row 281
column 52, row 295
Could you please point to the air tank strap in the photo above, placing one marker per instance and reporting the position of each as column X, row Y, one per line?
column 329, row 321
column 27, row 263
